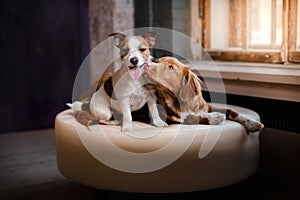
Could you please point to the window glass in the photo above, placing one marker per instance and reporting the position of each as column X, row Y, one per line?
column 219, row 24
column 262, row 28
column 259, row 22
column 278, row 22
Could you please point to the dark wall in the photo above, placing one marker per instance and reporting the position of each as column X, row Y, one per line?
column 155, row 13
column 43, row 43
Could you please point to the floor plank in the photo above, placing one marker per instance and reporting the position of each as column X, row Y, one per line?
column 28, row 159
column 56, row 190
column 26, row 142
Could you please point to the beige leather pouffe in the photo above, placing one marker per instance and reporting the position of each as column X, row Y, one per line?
column 177, row 158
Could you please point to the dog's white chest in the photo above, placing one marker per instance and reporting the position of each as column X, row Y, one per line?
column 131, row 92
column 138, row 99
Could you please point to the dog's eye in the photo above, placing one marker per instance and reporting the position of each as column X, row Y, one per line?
column 125, row 51
column 170, row 67
column 142, row 49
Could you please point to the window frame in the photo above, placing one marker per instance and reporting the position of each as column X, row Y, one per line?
column 287, row 52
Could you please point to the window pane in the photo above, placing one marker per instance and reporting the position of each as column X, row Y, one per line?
column 260, row 20
column 278, row 22
column 246, row 24
column 219, row 24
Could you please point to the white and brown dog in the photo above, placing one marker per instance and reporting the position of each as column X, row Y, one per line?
column 179, row 92
column 124, row 91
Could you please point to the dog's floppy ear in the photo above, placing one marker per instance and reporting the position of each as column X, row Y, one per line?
column 162, row 59
column 191, row 86
column 118, row 38
column 150, row 37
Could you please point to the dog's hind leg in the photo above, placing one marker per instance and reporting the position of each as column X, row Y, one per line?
column 250, row 125
column 100, row 107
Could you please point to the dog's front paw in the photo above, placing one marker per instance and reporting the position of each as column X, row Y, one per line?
column 127, row 127
column 216, row 118
column 159, row 123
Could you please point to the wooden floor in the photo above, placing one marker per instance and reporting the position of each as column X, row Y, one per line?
column 28, row 171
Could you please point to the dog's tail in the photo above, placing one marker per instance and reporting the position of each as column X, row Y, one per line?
column 76, row 106
column 85, row 118
column 82, row 113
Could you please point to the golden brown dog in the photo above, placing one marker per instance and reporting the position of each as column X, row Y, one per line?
column 179, row 92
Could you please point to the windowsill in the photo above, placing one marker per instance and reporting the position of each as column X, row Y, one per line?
column 275, row 81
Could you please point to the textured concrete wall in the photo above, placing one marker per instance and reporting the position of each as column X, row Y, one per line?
column 123, row 15
column 106, row 17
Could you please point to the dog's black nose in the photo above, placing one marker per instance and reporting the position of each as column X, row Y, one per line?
column 134, row 61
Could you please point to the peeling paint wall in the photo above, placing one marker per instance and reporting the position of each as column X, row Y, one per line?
column 106, row 17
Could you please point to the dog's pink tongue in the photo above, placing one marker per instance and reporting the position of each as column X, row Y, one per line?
column 135, row 73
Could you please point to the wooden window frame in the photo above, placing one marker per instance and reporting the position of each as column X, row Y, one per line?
column 287, row 52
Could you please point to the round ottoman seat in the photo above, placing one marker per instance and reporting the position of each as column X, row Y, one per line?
column 177, row 158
